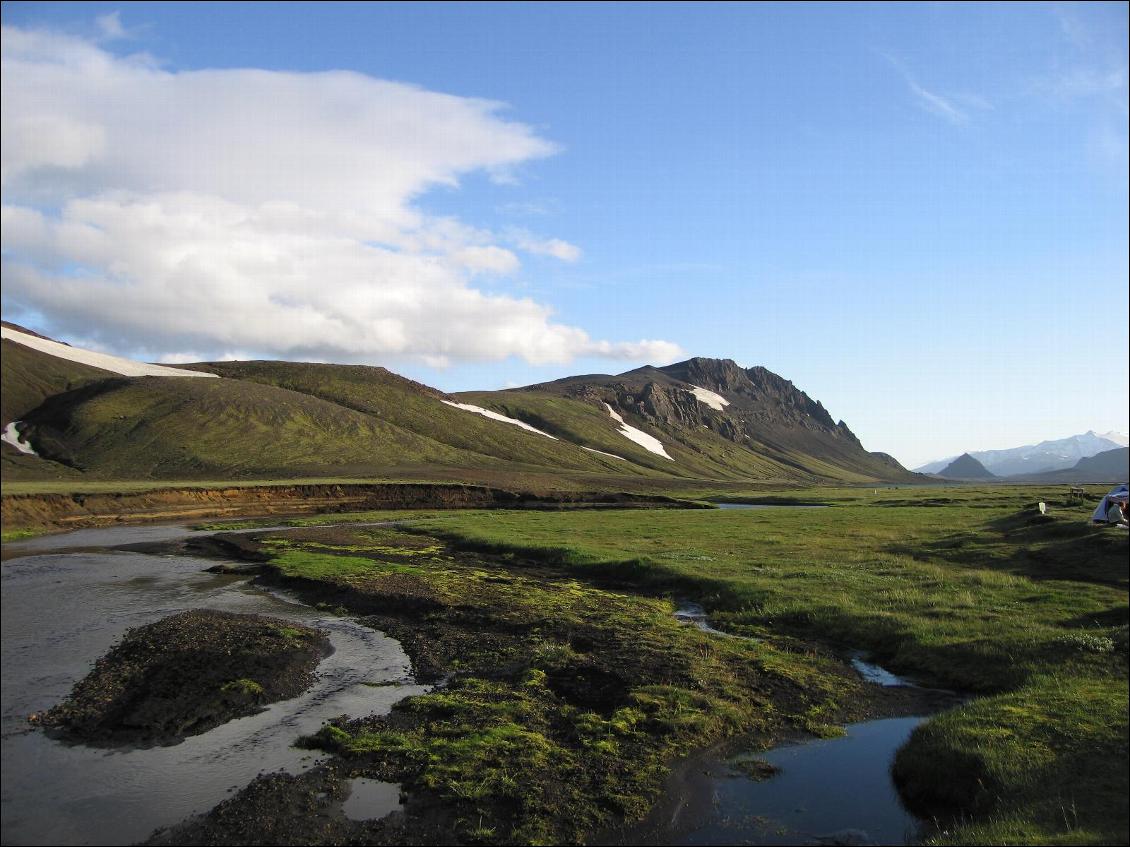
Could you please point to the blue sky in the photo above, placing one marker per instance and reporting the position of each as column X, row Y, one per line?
column 917, row 213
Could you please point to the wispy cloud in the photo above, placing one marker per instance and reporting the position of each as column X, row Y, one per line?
column 1090, row 76
column 942, row 106
column 110, row 26
column 555, row 247
column 1076, row 82
column 527, row 208
column 936, row 103
column 1072, row 27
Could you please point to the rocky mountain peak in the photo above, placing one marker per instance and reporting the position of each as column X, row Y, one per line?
column 715, row 374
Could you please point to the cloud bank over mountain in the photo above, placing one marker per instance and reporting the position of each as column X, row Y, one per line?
column 204, row 213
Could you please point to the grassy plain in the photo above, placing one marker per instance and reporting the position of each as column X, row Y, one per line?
column 968, row 588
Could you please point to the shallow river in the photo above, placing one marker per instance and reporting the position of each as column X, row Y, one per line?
column 63, row 610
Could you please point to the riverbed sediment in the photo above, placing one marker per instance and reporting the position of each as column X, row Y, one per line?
column 186, row 674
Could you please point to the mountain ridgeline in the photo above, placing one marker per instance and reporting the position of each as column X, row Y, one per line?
column 755, row 423
column 1044, row 457
column 701, row 419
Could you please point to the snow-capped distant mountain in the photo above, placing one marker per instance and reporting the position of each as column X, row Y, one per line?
column 1117, row 437
column 1037, row 458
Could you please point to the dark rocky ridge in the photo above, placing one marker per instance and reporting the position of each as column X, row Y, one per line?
column 186, row 674
column 766, row 412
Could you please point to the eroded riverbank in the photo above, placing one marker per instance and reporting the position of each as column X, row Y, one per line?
column 69, row 511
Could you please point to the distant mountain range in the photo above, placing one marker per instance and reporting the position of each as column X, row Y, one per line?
column 1047, row 456
column 69, row 412
column 1108, row 466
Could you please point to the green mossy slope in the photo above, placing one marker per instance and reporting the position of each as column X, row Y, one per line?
column 29, row 377
column 418, row 408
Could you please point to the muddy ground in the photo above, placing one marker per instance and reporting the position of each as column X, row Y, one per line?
column 184, row 675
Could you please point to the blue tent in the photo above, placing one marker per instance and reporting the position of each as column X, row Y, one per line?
column 1119, row 494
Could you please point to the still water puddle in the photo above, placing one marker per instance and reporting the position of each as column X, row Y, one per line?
column 370, row 799
column 828, row 791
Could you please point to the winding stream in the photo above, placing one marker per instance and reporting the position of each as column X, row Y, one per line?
column 63, row 610
column 823, row 791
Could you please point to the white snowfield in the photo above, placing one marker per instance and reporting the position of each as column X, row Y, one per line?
column 13, row 437
column 647, row 442
column 602, row 453
column 714, row 401
column 495, row 416
column 114, row 364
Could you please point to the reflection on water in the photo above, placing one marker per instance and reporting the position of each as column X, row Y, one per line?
column 829, row 791
column 61, row 612
column 370, row 799
column 878, row 675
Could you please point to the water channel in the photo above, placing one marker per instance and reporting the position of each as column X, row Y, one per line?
column 63, row 610
column 824, row 791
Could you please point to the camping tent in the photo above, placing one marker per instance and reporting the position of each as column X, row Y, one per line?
column 1118, row 494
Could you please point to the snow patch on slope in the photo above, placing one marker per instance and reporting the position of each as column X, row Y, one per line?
column 495, row 416
column 602, row 453
column 114, row 364
column 12, row 436
column 647, row 442
column 714, row 401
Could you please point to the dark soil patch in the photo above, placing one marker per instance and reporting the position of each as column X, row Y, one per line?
column 186, row 674
column 281, row 808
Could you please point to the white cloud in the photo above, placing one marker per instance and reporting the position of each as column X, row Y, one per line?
column 554, row 247
column 489, row 259
column 201, row 212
